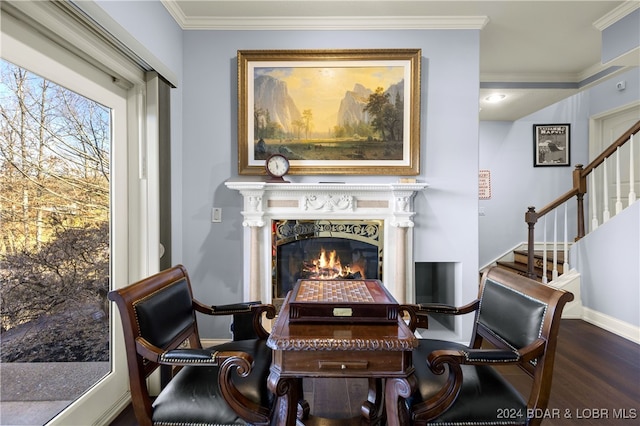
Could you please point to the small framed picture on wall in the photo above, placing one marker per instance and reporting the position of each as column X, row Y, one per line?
column 551, row 145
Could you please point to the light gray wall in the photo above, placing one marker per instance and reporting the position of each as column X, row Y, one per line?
column 608, row 260
column 621, row 38
column 506, row 149
column 453, row 145
column 204, row 139
column 446, row 225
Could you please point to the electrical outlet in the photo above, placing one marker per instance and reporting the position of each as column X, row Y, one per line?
column 216, row 215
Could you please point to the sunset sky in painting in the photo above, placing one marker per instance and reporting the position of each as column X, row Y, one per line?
column 322, row 88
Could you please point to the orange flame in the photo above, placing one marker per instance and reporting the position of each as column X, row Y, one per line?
column 328, row 266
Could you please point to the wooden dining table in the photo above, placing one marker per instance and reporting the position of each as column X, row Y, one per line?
column 337, row 348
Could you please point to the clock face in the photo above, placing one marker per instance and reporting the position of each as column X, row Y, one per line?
column 277, row 165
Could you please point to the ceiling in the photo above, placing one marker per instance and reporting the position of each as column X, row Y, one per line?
column 536, row 53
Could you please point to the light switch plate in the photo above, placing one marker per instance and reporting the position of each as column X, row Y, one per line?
column 216, row 215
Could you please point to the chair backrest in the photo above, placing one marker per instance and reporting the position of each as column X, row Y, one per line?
column 514, row 312
column 159, row 309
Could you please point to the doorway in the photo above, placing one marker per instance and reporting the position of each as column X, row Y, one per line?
column 604, row 130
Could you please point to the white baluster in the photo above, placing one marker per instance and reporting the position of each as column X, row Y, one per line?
column 565, row 265
column 618, row 198
column 632, row 193
column 605, row 194
column 544, row 250
column 554, row 274
column 593, row 202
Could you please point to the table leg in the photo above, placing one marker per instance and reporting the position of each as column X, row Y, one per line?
column 288, row 393
column 372, row 409
column 395, row 389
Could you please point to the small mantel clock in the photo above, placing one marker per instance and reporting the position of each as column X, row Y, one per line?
column 277, row 165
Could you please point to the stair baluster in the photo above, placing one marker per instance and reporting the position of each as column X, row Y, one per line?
column 544, row 250
column 580, row 176
column 632, row 182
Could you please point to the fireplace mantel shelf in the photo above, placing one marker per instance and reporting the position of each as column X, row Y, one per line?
column 324, row 186
column 304, row 200
column 390, row 202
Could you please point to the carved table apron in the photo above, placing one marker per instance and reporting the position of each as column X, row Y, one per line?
column 373, row 351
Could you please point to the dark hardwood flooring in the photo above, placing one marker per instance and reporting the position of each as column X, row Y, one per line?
column 596, row 382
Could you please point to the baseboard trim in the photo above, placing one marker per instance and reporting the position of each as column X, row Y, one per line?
column 213, row 342
column 614, row 325
column 115, row 410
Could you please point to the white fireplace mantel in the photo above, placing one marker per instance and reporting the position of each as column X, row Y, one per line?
column 392, row 203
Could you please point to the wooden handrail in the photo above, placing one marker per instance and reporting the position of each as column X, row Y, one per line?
column 611, row 149
column 578, row 190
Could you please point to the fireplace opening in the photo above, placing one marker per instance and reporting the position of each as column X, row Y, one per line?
column 322, row 249
column 435, row 283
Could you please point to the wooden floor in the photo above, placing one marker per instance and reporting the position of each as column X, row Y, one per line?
column 596, row 382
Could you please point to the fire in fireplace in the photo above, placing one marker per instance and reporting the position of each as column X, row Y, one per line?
column 324, row 249
column 328, row 267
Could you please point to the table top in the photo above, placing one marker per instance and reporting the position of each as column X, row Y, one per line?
column 287, row 336
column 341, row 292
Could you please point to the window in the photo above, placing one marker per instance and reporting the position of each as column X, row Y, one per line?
column 125, row 192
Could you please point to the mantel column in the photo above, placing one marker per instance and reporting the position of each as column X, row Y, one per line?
column 254, row 218
column 402, row 219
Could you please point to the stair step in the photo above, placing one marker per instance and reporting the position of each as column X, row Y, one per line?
column 521, row 269
column 521, row 256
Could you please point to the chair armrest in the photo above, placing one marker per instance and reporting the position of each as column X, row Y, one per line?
column 175, row 357
column 419, row 313
column 490, row 356
column 414, row 321
column 248, row 410
column 227, row 361
column 437, row 308
column 188, row 356
column 191, row 356
column 230, row 309
column 485, row 356
column 449, row 361
column 257, row 307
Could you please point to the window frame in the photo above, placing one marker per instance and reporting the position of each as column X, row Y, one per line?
column 134, row 183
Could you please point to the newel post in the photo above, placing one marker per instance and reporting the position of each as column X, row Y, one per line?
column 580, row 183
column 531, row 217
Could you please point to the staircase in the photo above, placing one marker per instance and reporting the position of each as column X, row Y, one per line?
column 569, row 280
column 517, row 263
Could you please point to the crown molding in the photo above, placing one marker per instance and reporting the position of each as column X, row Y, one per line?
column 278, row 23
column 338, row 23
column 616, row 14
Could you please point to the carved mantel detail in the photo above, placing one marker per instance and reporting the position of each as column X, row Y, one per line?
column 392, row 203
column 328, row 202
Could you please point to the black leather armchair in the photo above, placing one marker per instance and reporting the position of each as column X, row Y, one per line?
column 221, row 385
column 516, row 322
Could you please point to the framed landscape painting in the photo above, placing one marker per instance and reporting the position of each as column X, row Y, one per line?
column 551, row 145
column 330, row 111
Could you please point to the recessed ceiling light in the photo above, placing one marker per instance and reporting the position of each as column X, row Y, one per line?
column 495, row 97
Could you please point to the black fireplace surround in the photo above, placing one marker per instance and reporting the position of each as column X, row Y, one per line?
column 324, row 249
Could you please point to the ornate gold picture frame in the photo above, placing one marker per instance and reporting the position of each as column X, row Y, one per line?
column 350, row 112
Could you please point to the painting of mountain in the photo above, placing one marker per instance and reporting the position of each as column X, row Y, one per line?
column 271, row 95
column 337, row 113
column 333, row 111
column 352, row 106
